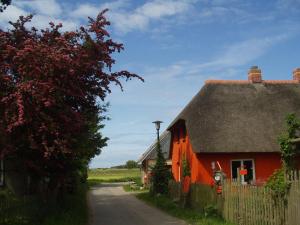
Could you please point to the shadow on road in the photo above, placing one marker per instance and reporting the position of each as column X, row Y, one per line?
column 119, row 184
column 111, row 205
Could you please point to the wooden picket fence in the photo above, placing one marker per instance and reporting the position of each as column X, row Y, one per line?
column 245, row 204
column 199, row 197
column 252, row 205
column 175, row 190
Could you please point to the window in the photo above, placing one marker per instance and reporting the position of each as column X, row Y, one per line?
column 1, row 173
column 243, row 170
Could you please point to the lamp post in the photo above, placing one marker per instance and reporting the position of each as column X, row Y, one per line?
column 160, row 177
column 157, row 126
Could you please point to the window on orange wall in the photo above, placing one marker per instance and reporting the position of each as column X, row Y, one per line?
column 243, row 170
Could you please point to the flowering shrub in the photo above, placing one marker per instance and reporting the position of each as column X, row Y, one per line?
column 52, row 88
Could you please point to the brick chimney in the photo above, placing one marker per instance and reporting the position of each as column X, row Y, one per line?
column 254, row 75
column 296, row 74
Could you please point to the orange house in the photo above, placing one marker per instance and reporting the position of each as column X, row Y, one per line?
column 234, row 125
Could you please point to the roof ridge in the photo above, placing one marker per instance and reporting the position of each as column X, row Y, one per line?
column 162, row 138
column 249, row 82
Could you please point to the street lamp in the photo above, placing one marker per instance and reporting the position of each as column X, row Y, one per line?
column 157, row 126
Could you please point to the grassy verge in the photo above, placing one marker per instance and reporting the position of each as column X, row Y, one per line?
column 134, row 188
column 71, row 209
column 189, row 215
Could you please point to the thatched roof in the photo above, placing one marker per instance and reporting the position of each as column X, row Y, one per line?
column 150, row 153
column 239, row 116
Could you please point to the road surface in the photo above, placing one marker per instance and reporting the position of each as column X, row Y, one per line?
column 111, row 205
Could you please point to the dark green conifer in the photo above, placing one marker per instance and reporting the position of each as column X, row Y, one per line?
column 160, row 174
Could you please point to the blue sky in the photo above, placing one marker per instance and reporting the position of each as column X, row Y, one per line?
column 175, row 46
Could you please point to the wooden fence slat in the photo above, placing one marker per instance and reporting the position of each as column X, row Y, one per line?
column 246, row 204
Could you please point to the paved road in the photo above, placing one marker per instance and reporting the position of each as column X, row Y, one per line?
column 111, row 205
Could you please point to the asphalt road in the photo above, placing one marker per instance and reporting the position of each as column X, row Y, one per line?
column 111, row 205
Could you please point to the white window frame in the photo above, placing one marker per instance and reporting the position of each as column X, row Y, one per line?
column 1, row 172
column 242, row 164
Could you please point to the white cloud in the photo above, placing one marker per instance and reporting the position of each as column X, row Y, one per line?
column 141, row 17
column 49, row 7
column 225, row 64
column 289, row 4
column 125, row 20
column 85, row 10
column 158, row 9
column 44, row 12
column 239, row 54
column 42, row 21
column 12, row 13
column 125, row 23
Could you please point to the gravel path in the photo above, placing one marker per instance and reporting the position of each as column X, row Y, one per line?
column 111, row 205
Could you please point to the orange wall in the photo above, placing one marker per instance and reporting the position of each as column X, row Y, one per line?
column 200, row 164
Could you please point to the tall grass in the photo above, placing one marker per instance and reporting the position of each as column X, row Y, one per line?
column 189, row 215
column 71, row 209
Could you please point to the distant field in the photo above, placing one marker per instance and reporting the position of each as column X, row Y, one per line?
column 113, row 175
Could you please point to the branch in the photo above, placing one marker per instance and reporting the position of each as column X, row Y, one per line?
column 295, row 140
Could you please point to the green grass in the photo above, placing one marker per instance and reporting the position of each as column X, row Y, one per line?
column 134, row 188
column 189, row 215
column 96, row 176
column 70, row 210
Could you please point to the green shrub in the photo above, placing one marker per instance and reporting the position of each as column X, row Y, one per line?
column 191, row 216
column 186, row 167
column 160, row 178
column 71, row 209
column 289, row 149
column 278, row 184
column 211, row 211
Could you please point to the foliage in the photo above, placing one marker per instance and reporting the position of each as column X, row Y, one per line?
column 289, row 149
column 160, row 174
column 4, row 4
column 130, row 164
column 211, row 211
column 72, row 209
column 189, row 215
column 186, row 166
column 277, row 181
column 133, row 187
column 278, row 184
column 52, row 88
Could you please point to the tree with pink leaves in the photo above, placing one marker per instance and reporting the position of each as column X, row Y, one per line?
column 52, row 90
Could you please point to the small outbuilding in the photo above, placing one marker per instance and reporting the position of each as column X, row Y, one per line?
column 148, row 159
